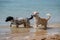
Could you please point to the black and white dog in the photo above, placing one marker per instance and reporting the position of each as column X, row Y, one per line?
column 25, row 22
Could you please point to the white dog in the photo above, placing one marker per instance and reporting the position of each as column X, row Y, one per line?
column 40, row 21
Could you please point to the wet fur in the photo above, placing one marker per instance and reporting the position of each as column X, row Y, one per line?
column 42, row 21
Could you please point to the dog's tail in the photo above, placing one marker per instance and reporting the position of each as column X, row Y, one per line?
column 30, row 17
column 49, row 16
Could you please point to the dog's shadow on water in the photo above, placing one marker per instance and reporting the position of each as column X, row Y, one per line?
column 49, row 28
column 53, row 28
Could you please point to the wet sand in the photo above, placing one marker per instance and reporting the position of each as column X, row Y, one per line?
column 13, row 33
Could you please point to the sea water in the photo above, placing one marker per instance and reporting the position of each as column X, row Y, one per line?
column 25, row 8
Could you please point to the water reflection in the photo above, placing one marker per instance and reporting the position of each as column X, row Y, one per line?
column 24, row 33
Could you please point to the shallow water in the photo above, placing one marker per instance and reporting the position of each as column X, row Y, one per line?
column 23, row 33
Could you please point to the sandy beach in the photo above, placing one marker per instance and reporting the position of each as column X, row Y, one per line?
column 13, row 33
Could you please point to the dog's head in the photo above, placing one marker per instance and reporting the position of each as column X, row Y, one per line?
column 9, row 18
column 35, row 14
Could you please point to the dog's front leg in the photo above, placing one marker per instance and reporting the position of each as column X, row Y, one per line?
column 35, row 25
column 11, row 24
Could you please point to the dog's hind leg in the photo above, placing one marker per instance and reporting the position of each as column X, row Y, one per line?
column 45, row 26
column 24, row 25
column 17, row 25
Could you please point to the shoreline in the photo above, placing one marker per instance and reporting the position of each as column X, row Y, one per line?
column 49, row 25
